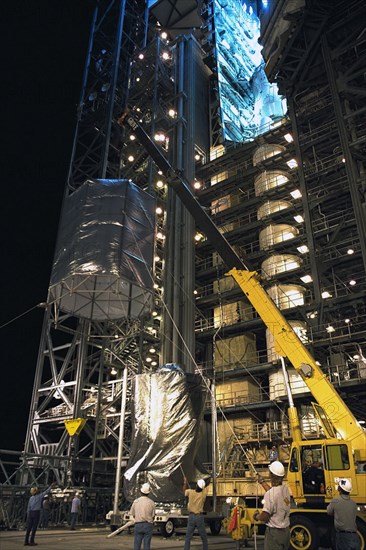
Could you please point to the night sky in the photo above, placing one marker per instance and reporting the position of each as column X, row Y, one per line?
column 43, row 54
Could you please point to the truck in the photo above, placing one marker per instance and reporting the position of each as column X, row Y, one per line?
column 342, row 451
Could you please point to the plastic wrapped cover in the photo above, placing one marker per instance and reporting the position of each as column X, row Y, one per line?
column 103, row 262
column 168, row 409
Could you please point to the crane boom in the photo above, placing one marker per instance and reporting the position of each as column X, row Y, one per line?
column 287, row 341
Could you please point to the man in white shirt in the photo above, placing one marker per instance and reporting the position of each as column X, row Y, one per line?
column 276, row 510
column 143, row 512
column 75, row 505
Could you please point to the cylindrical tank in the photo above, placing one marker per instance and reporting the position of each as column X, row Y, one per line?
column 270, row 207
column 266, row 151
column 277, row 387
column 269, row 179
column 287, row 296
column 279, row 263
column 276, row 233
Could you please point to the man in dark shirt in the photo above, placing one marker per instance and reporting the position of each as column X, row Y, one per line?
column 34, row 512
column 344, row 510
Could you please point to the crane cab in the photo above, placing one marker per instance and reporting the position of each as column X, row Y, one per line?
column 315, row 467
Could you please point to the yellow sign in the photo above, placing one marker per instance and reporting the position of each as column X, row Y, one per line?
column 74, row 426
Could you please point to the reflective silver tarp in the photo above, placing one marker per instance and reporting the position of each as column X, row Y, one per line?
column 103, row 262
column 168, row 410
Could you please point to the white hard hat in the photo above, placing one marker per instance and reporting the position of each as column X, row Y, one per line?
column 345, row 485
column 276, row 468
column 145, row 488
column 201, row 483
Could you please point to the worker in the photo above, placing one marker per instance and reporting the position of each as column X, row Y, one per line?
column 276, row 510
column 45, row 513
column 143, row 512
column 344, row 510
column 273, row 454
column 75, row 505
column 196, row 501
column 34, row 513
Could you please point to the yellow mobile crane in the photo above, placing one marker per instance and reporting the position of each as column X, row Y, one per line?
column 342, row 453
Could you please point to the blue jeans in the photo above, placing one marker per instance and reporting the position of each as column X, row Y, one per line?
column 143, row 532
column 347, row 541
column 196, row 520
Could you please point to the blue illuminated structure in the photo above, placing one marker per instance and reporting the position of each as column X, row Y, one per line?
column 249, row 104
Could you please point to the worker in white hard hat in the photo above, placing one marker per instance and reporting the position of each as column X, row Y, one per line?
column 344, row 510
column 196, row 501
column 276, row 510
column 143, row 512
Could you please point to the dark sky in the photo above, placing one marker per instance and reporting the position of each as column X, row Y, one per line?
column 43, row 53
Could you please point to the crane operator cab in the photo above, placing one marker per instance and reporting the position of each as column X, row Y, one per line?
column 315, row 468
column 312, row 468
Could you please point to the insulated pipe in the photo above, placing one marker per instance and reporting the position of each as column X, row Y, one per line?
column 117, row 486
column 214, row 437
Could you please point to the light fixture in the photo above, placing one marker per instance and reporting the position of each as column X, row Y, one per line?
column 152, row 350
column 330, row 329
column 159, row 184
column 197, row 184
column 165, row 55
column 292, row 163
column 356, row 356
column 131, row 158
column 347, row 321
column 198, row 237
column 132, row 137
column 154, row 313
column 352, row 282
column 153, row 363
column 197, row 157
column 113, row 372
column 159, row 210
column 160, row 235
column 350, row 251
column 148, row 359
column 303, row 249
column 306, row 279
column 296, row 194
column 298, row 218
column 195, row 292
column 312, row 315
column 164, row 35
column 172, row 113
column 288, row 138
column 141, row 56
column 326, row 294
